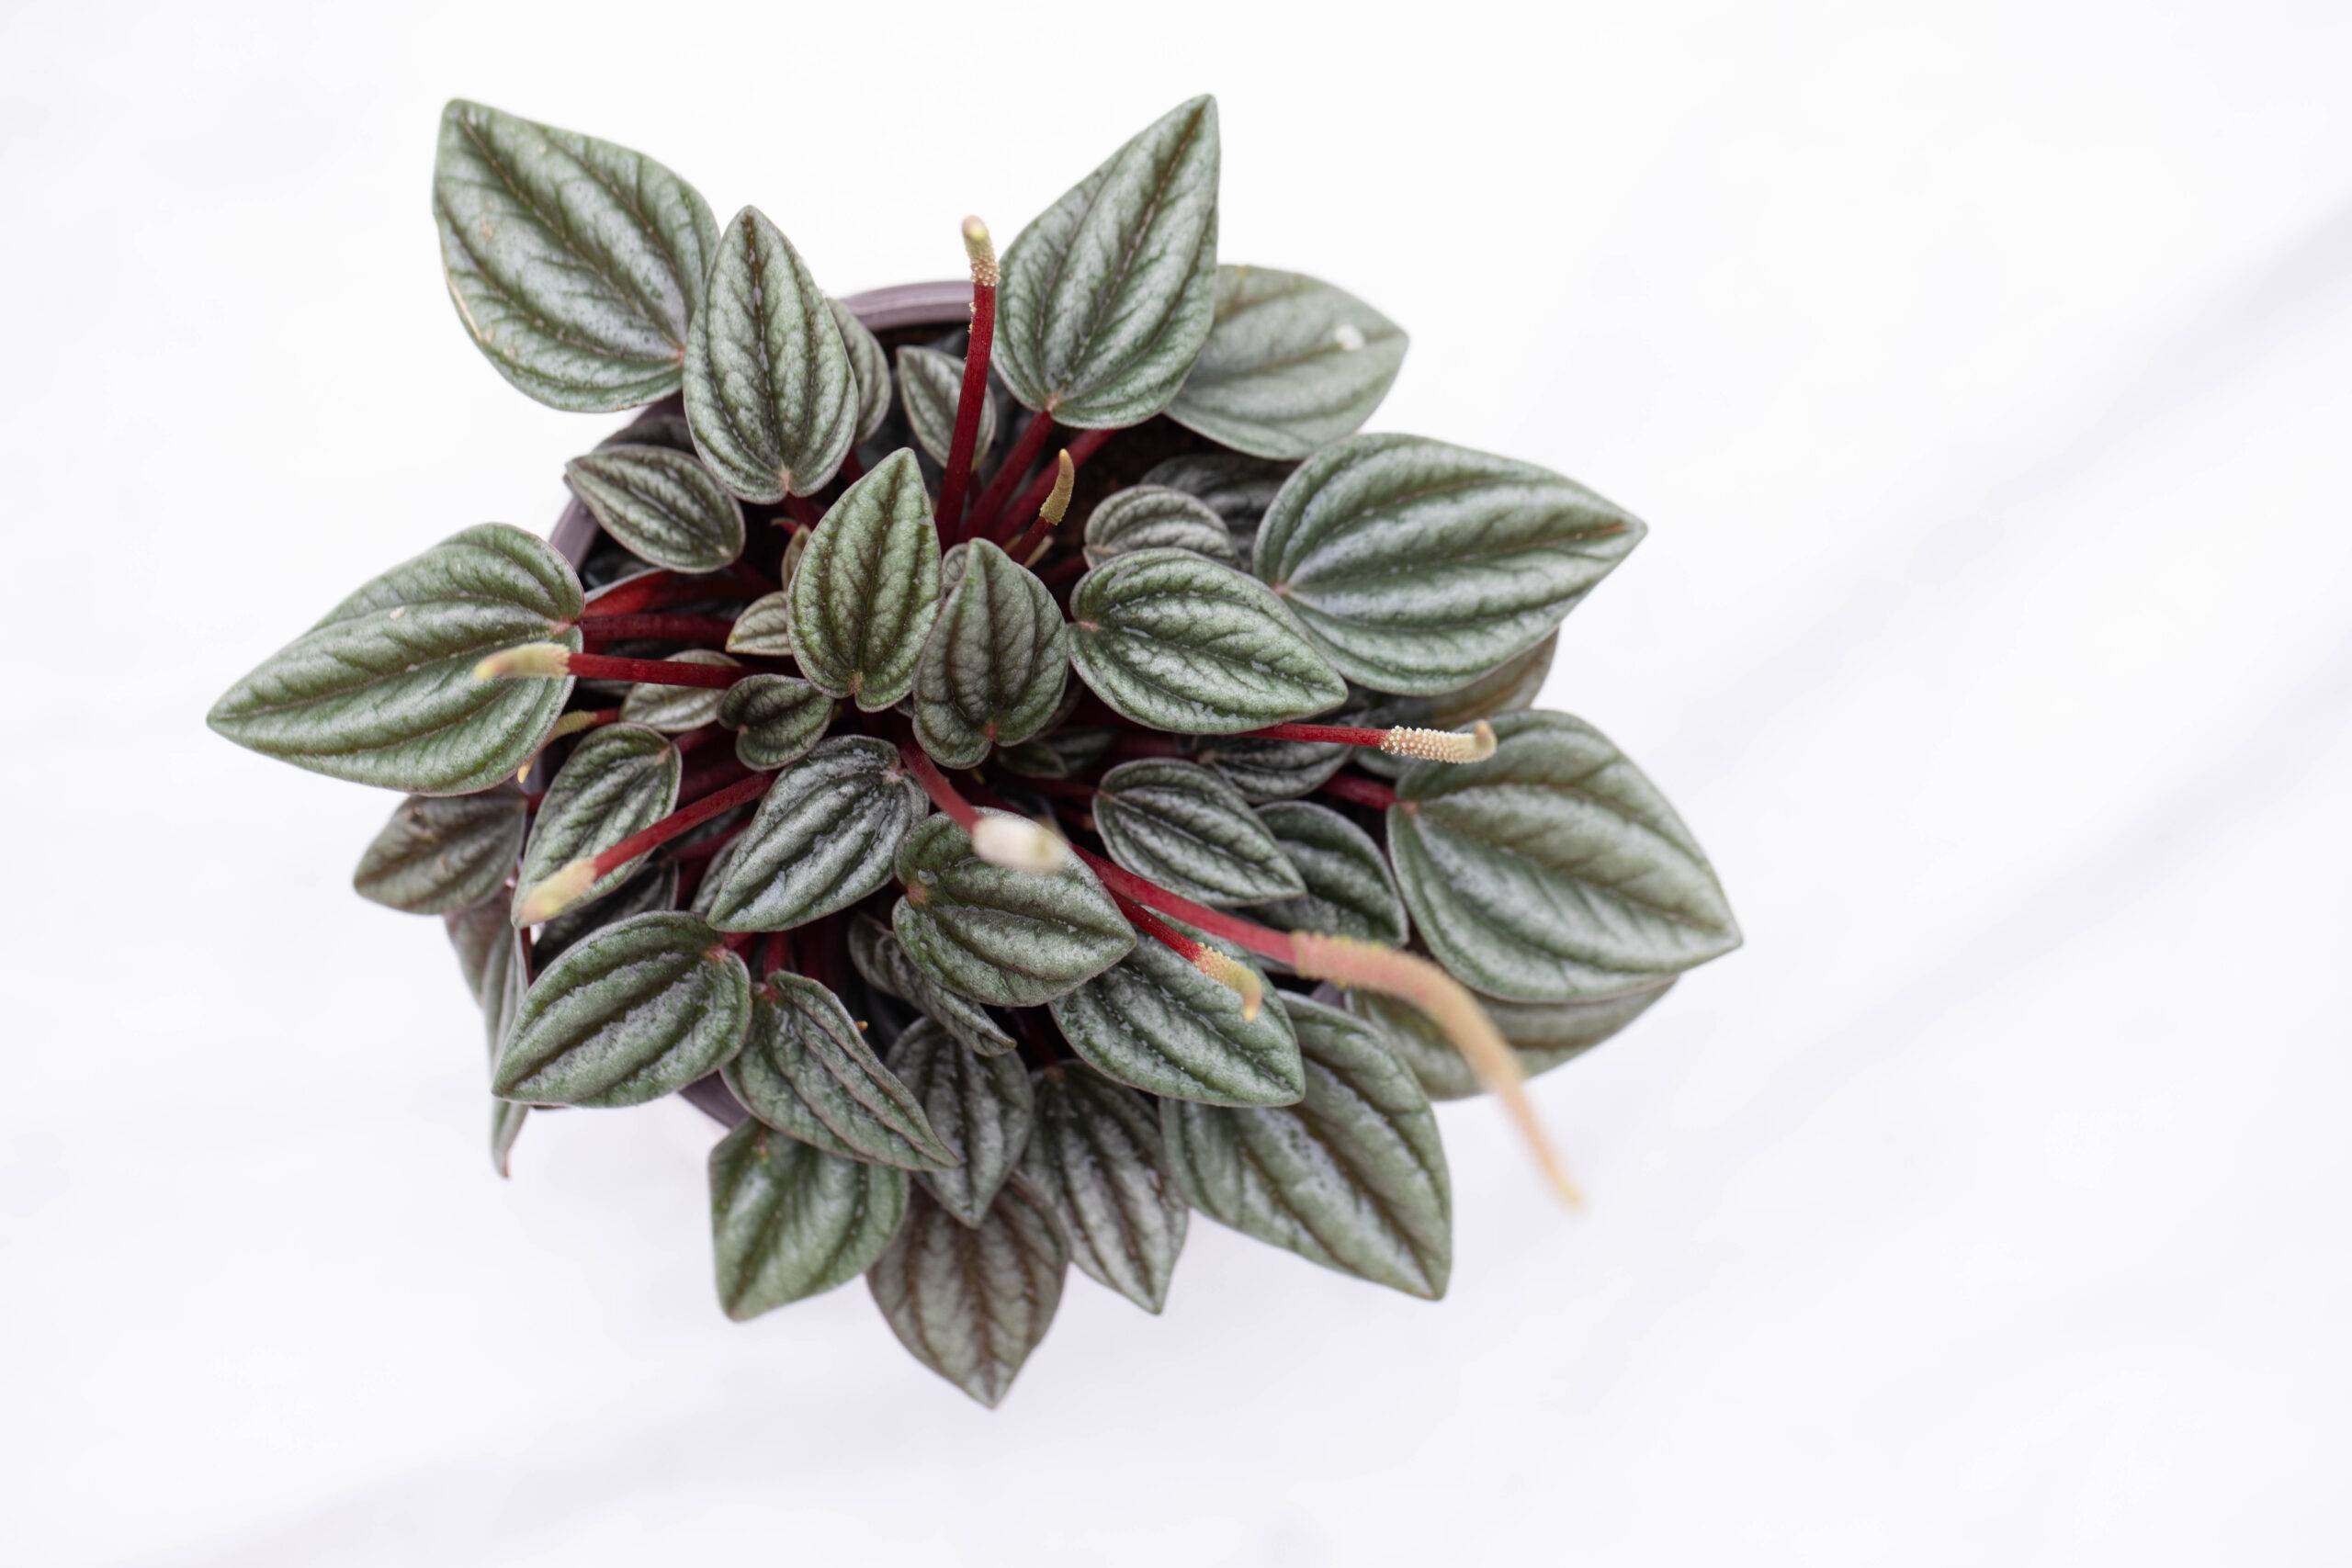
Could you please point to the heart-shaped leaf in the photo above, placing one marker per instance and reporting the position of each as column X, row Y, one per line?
column 980, row 1107
column 620, row 779
column 931, row 385
column 1349, row 889
column 770, row 391
column 1352, row 1177
column 822, row 838
column 1276, row 769
column 764, row 628
column 1236, row 488
column 442, row 854
column 1418, row 566
column 1541, row 1034
column 676, row 709
column 383, row 690
column 1147, row 517
column 788, row 1221
column 882, row 958
column 1096, row 1163
column 867, row 588
column 1292, row 363
column 1180, row 643
column 1108, row 297
column 1554, row 871
column 1507, row 688
column 638, row 1011
column 777, row 719
column 806, row 1070
column 1155, row 1021
column 1005, row 937
column 971, row 1301
column 994, row 667
column 576, row 265
column 654, row 887
column 1179, row 825
column 869, row 368
column 664, row 506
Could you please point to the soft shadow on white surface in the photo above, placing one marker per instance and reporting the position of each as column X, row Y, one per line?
column 1983, row 380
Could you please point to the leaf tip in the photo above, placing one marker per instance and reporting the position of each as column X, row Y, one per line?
column 551, row 895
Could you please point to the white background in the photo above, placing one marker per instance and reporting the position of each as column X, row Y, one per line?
column 1987, row 378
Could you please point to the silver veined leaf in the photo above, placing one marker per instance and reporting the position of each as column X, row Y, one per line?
column 575, row 265
column 971, row 1301
column 931, row 385
column 1179, row 825
column 998, row 935
column 1144, row 517
column 1554, row 871
column 788, row 1221
column 1236, row 488
column 1417, row 567
column 1156, row 1023
column 994, row 666
column 1108, row 296
column 805, row 1069
column 620, row 779
column 1352, row 1177
column 1182, row 644
column 882, row 959
column 442, row 854
column 770, row 391
column 777, row 720
column 1291, row 364
column 821, row 840
column 676, row 709
column 635, row 1012
column 869, row 368
column 1541, row 1034
column 1096, row 1162
column 1350, row 891
column 980, row 1107
column 867, row 587
column 660, row 505
column 383, row 689
column 1266, row 770
column 764, row 628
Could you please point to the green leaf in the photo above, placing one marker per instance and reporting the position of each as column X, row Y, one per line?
column 1179, row 825
column 576, row 265
column 1178, row 643
column 931, row 385
column 1276, row 769
column 778, row 720
column 1507, row 688
column 1349, row 889
column 635, row 1012
column 1057, row 755
column 788, row 1221
column 1155, row 1021
column 1542, row 1034
column 764, row 628
column 442, row 854
column 1352, row 1177
column 654, row 887
column 676, row 709
column 980, row 1107
column 805, row 1069
column 491, row 956
column 1145, row 517
column 506, row 1120
column 1554, row 871
column 662, row 507
column 994, row 667
column 867, row 589
column 1236, row 488
column 620, row 779
column 1008, row 938
column 1108, row 297
column 1096, row 1163
column 1292, row 363
column 770, row 390
column 972, row 1302
column 822, row 838
column 1418, row 566
column 383, row 689
column 869, row 368
column 882, row 958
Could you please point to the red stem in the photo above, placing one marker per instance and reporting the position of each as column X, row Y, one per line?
column 1327, row 734
column 1032, row 500
column 1015, row 467
column 682, row 821
column 653, row 671
column 669, row 629
column 1062, row 571
column 1257, row 939
column 1159, row 931
column 970, row 402
column 1358, row 790
column 934, row 785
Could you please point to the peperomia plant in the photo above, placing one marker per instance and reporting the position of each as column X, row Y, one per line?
column 781, row 793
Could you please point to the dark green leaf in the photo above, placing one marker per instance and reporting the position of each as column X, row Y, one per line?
column 1292, row 363
column 1349, row 889
column 867, row 589
column 869, row 368
column 1554, row 871
column 1145, row 517
column 1276, row 769
column 980, row 1108
column 788, row 1221
column 778, row 719
column 442, row 854
column 676, row 709
column 576, row 265
column 972, row 1302
column 882, row 958
column 1057, row 755
column 770, row 390
column 620, row 779
column 1096, row 1163
column 383, row 690
column 662, row 507
column 1544, row 1034
column 931, row 384
column 506, row 1120
column 764, row 628
column 1008, row 938
column 490, row 954
column 1179, row 825
column 1352, row 1177
column 805, row 1069
column 1108, row 296
column 638, row 1011
column 995, row 664
column 822, row 838
column 1155, row 1021
column 1418, row 566
column 1236, row 488
column 1180, row 643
